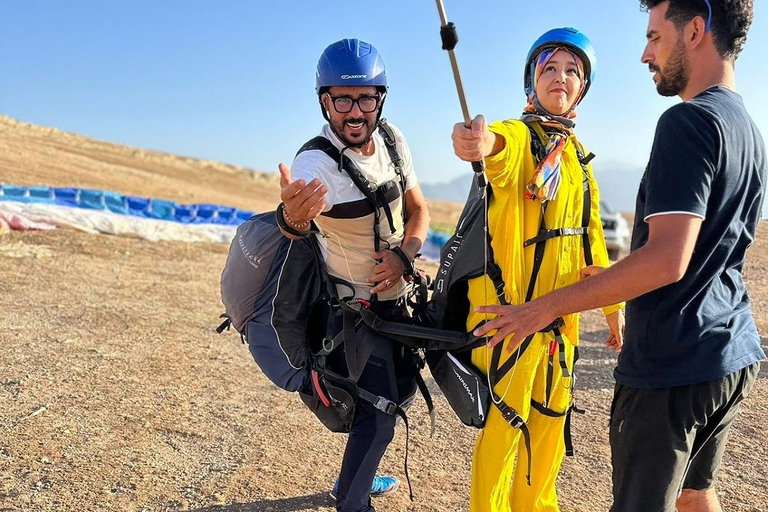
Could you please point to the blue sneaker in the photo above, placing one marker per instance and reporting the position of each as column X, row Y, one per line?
column 381, row 486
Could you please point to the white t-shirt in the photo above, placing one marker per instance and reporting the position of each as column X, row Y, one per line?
column 346, row 223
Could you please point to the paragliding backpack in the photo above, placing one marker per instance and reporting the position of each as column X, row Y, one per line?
column 279, row 296
column 468, row 391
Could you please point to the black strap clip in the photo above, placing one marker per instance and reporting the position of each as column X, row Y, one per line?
column 388, row 407
column 225, row 325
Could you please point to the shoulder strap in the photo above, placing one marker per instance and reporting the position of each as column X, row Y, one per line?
column 587, row 207
column 388, row 134
column 320, row 143
column 368, row 189
column 538, row 136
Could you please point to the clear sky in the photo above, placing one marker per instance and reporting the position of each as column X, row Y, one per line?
column 234, row 80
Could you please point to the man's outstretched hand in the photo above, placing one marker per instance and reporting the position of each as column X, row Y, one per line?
column 303, row 201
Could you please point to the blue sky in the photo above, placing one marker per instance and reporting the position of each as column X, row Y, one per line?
column 234, row 81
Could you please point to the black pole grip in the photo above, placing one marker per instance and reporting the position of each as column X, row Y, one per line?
column 479, row 168
column 449, row 36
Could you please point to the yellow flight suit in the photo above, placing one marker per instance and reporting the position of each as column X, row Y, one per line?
column 512, row 219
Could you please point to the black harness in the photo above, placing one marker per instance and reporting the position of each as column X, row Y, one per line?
column 351, row 310
column 376, row 194
column 496, row 371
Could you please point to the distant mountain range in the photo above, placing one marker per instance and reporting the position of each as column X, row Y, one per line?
column 618, row 188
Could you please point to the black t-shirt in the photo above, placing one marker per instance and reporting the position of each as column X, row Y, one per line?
column 708, row 159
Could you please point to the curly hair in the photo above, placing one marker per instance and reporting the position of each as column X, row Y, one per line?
column 730, row 20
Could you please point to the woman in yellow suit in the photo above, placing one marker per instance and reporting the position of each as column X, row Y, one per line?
column 527, row 186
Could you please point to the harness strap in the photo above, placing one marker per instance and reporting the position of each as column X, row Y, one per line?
column 567, row 435
column 382, row 200
column 428, row 400
column 516, row 421
column 493, row 271
column 415, row 336
column 561, row 355
column 502, row 371
column 354, row 352
column 587, row 207
column 538, row 255
column 554, row 233
column 368, row 189
column 388, row 136
column 390, row 408
column 567, row 432
column 494, row 274
column 550, row 373
column 225, row 325
column 546, row 411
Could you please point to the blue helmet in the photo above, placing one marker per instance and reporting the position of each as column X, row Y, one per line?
column 571, row 39
column 350, row 62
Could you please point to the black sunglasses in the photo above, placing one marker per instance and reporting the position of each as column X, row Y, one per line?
column 344, row 104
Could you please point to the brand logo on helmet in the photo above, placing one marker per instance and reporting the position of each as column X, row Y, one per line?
column 352, row 77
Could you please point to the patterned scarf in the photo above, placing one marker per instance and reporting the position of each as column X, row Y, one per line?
column 546, row 179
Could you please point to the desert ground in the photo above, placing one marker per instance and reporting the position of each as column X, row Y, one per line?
column 116, row 394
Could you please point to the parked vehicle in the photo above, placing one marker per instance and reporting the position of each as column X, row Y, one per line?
column 616, row 231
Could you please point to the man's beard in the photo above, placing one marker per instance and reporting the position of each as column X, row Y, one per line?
column 674, row 79
column 338, row 129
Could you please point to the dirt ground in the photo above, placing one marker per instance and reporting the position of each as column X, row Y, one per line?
column 116, row 394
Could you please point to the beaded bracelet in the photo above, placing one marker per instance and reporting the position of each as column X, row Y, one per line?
column 301, row 226
column 280, row 216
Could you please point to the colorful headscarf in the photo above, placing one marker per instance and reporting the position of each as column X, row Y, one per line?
column 546, row 179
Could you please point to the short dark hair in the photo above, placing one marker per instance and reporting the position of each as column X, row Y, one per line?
column 730, row 20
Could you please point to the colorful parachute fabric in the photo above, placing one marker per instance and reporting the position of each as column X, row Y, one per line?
column 100, row 211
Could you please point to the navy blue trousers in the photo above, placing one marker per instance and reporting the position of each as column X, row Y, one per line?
column 372, row 430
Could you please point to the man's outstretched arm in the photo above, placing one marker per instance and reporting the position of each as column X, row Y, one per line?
column 664, row 259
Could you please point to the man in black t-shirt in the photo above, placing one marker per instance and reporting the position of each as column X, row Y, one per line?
column 691, row 349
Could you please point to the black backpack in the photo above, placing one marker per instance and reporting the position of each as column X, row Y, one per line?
column 279, row 296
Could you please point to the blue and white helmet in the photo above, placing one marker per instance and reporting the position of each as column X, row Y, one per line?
column 350, row 62
column 571, row 39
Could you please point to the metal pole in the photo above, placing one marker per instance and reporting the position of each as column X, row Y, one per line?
column 450, row 38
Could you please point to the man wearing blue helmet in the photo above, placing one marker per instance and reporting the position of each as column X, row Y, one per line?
column 544, row 224
column 370, row 226
column 692, row 350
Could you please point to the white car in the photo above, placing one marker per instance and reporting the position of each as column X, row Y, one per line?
column 616, row 231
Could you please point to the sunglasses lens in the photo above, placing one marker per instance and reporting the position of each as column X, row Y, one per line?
column 368, row 104
column 343, row 105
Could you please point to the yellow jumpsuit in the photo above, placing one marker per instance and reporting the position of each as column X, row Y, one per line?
column 498, row 480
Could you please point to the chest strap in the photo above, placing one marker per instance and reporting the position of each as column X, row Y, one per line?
column 554, row 233
column 375, row 194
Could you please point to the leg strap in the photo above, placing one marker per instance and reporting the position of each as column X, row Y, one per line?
column 428, row 399
column 391, row 408
column 515, row 420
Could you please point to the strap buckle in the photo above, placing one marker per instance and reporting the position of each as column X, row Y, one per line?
column 386, row 406
column 357, row 304
column 514, row 419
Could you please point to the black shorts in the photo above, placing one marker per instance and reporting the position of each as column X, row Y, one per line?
column 666, row 440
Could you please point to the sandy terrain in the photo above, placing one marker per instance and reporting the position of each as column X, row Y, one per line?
column 117, row 394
